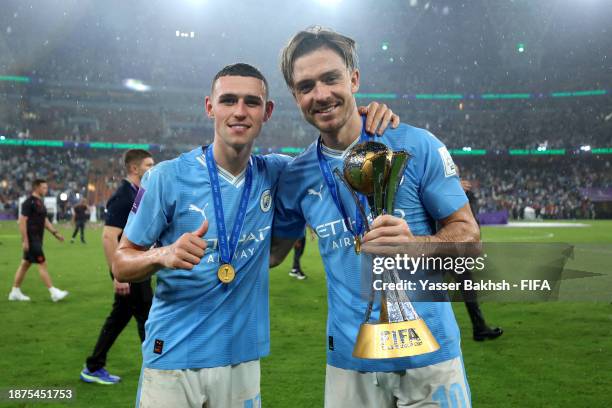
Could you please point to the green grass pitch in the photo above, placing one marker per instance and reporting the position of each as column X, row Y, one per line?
column 553, row 354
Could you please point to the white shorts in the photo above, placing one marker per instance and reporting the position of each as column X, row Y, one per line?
column 438, row 385
column 233, row 386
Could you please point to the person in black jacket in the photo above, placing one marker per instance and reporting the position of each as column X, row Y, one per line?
column 131, row 299
column 481, row 331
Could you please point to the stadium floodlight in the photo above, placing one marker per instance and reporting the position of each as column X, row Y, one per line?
column 385, row 46
column 585, row 148
column 541, row 148
column 2, row 137
column 63, row 196
column 520, row 47
column 467, row 149
column 136, row 85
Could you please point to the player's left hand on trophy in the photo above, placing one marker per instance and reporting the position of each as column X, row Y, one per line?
column 387, row 234
column 378, row 117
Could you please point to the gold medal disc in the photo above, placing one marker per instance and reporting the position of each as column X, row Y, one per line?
column 357, row 245
column 226, row 273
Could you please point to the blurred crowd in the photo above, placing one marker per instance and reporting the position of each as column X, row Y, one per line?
column 65, row 171
column 493, row 125
column 59, row 109
column 550, row 185
column 563, row 124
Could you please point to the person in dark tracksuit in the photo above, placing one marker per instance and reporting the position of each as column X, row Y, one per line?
column 80, row 215
column 481, row 331
column 131, row 299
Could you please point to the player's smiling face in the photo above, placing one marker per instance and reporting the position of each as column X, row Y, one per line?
column 239, row 107
column 323, row 88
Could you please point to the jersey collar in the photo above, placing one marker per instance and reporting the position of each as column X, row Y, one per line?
column 235, row 181
column 337, row 154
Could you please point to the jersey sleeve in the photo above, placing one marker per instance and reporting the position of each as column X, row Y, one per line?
column 117, row 211
column 26, row 208
column 440, row 187
column 153, row 206
column 289, row 219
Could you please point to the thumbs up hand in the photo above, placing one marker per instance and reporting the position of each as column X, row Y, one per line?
column 202, row 229
column 187, row 251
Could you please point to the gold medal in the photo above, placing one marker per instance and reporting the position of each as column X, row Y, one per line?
column 357, row 245
column 226, row 273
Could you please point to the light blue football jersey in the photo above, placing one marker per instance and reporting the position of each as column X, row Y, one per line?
column 195, row 320
column 430, row 191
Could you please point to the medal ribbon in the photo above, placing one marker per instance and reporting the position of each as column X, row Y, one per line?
column 332, row 186
column 227, row 250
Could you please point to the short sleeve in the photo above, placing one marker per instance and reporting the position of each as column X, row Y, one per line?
column 440, row 187
column 118, row 210
column 26, row 208
column 151, row 212
column 289, row 219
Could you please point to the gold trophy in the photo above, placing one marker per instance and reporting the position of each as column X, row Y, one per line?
column 374, row 170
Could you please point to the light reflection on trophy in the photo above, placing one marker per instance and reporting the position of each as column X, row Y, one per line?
column 374, row 170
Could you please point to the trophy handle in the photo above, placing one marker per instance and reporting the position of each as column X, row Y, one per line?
column 355, row 198
column 368, row 312
column 398, row 165
column 362, row 213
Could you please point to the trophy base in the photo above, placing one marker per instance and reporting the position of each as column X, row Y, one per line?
column 393, row 340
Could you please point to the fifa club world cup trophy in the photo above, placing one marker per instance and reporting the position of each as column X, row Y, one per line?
column 373, row 170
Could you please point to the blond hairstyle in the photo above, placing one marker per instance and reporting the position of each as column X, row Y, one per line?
column 312, row 39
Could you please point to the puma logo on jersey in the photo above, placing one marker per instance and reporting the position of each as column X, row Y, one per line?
column 317, row 193
column 202, row 211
